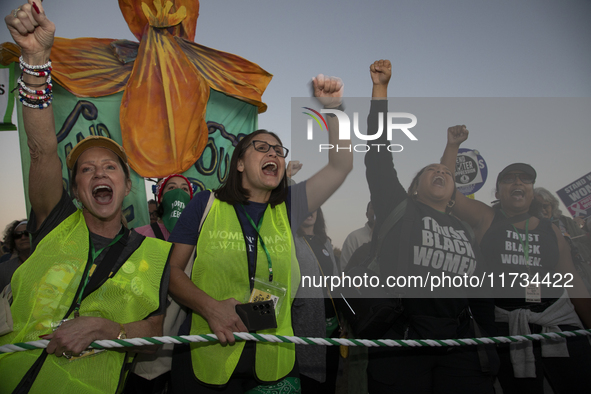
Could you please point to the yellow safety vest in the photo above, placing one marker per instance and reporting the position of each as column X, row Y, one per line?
column 44, row 289
column 221, row 270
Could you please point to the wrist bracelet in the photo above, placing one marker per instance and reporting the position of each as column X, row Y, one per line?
column 42, row 73
column 31, row 67
column 47, row 90
column 35, row 106
column 122, row 333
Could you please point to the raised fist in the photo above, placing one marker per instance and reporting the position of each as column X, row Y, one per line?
column 328, row 90
column 381, row 71
column 457, row 134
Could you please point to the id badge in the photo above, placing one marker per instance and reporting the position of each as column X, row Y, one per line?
column 268, row 291
column 533, row 293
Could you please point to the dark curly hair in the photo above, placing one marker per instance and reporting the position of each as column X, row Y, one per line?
column 8, row 239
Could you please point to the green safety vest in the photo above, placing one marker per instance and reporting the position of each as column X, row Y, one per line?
column 221, row 270
column 44, row 288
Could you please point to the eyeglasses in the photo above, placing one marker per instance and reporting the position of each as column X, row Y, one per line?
column 263, row 147
column 511, row 178
column 19, row 234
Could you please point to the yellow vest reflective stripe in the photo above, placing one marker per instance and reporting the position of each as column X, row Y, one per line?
column 44, row 289
column 221, row 270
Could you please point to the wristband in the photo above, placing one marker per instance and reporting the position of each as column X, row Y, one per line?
column 122, row 333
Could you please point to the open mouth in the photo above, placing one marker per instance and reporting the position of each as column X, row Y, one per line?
column 518, row 193
column 439, row 181
column 103, row 194
column 270, row 168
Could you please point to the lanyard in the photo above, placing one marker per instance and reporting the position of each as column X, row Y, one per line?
column 526, row 245
column 257, row 228
column 93, row 255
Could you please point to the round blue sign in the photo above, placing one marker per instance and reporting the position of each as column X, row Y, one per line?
column 471, row 171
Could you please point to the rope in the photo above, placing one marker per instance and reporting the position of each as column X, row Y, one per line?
column 242, row 336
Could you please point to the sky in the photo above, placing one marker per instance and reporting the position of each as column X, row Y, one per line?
column 439, row 49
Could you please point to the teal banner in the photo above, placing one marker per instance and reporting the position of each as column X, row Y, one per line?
column 228, row 120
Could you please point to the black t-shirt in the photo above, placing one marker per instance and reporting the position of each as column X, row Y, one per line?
column 64, row 208
column 504, row 251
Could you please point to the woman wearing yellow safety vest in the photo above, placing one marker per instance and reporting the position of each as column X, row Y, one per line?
column 88, row 277
column 244, row 251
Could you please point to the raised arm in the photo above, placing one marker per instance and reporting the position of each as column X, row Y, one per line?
column 33, row 32
column 329, row 91
column 475, row 213
column 380, row 72
column 385, row 188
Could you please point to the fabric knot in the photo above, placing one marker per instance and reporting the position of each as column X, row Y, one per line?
column 163, row 17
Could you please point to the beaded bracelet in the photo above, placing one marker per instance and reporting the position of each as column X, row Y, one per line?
column 30, row 67
column 36, row 106
column 38, row 92
column 43, row 73
column 37, row 99
column 45, row 97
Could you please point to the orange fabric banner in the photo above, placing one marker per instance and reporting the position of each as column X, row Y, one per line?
column 166, row 80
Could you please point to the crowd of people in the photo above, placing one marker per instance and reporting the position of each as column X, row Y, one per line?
column 76, row 273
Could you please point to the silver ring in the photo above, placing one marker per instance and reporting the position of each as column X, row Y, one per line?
column 16, row 11
column 67, row 356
